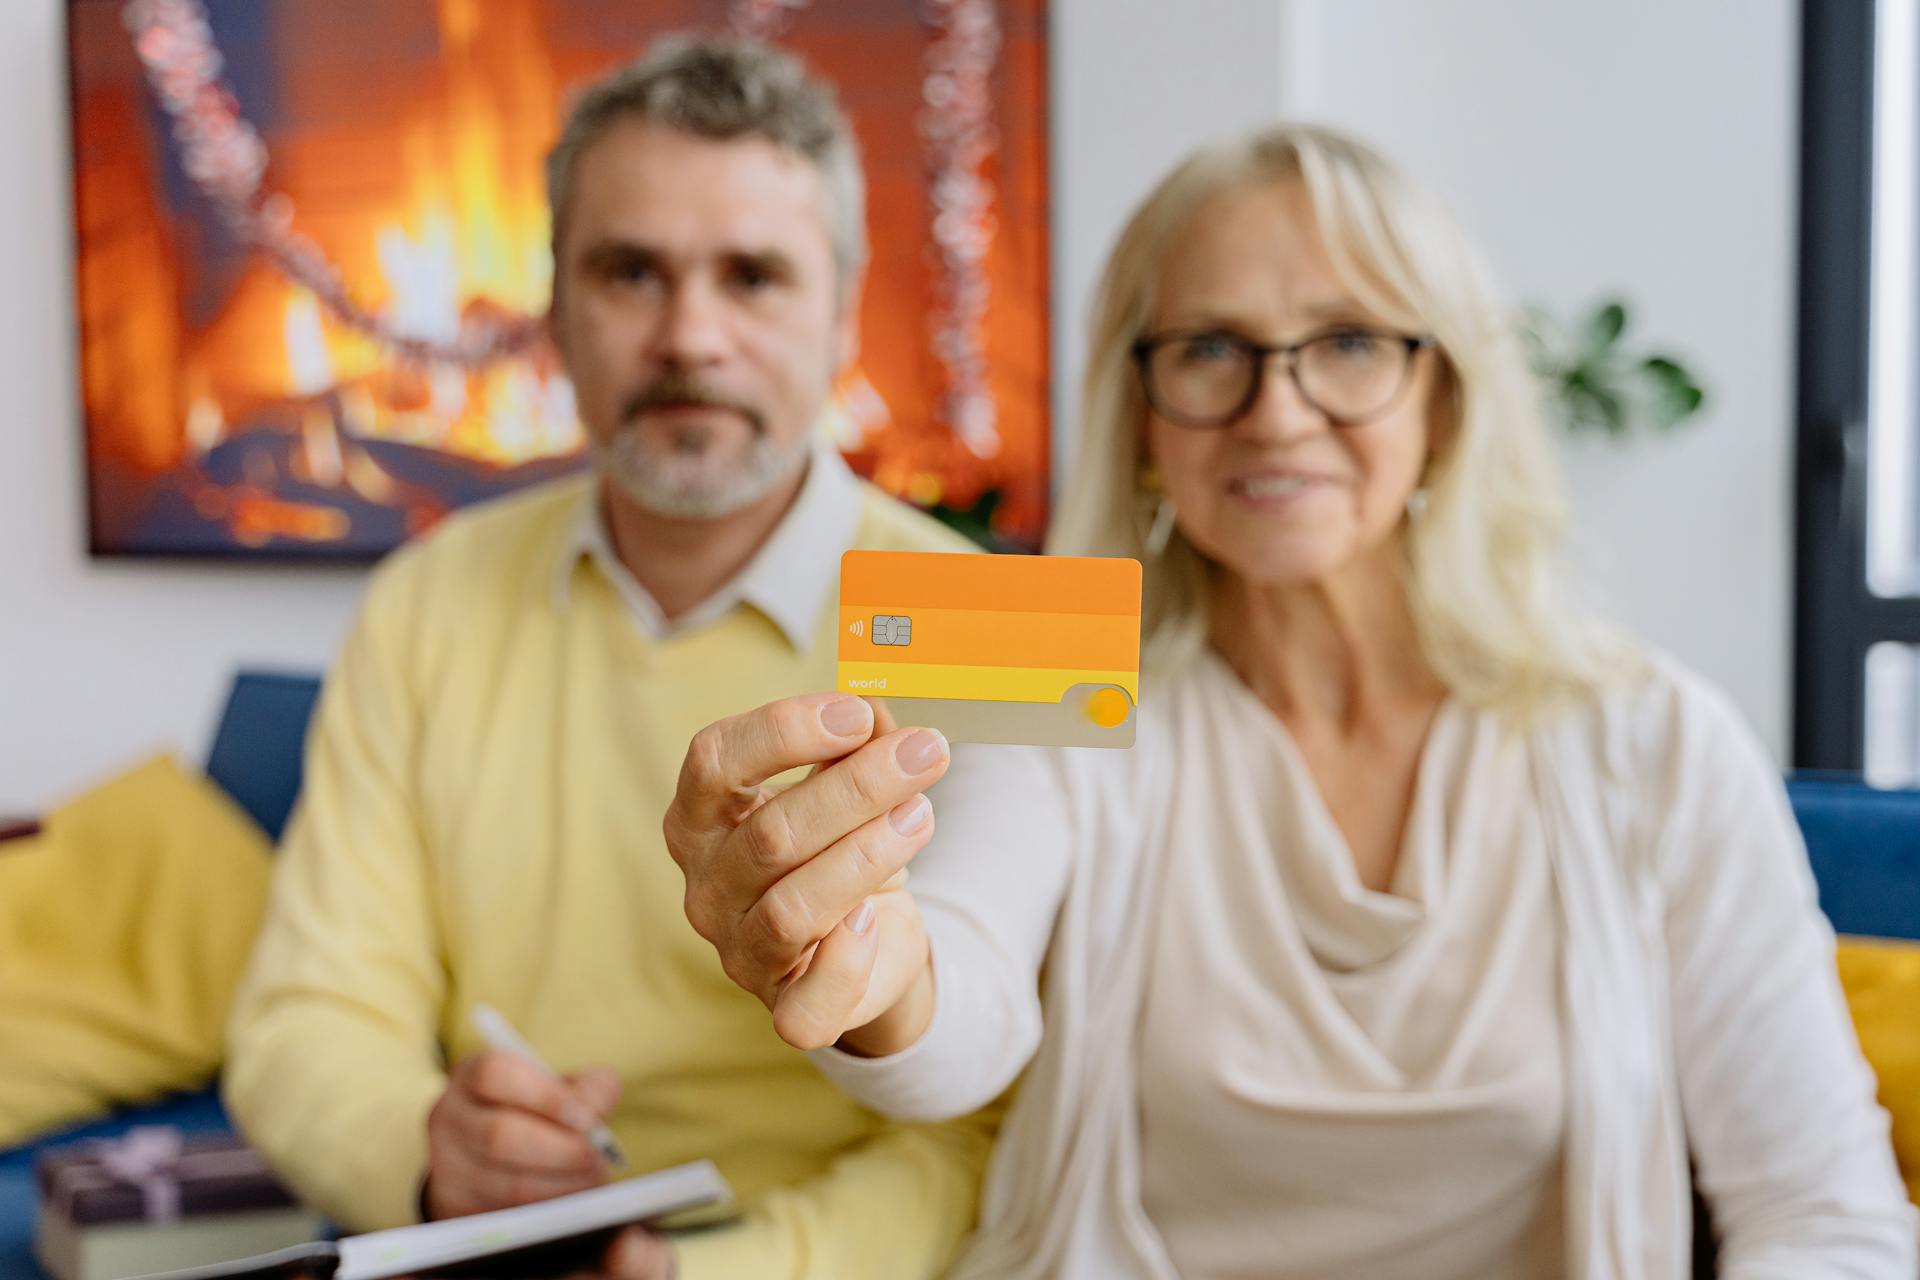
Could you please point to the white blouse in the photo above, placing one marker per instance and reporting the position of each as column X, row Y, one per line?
column 1326, row 1073
column 1336, row 1081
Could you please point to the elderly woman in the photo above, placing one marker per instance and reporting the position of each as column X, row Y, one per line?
column 1432, row 928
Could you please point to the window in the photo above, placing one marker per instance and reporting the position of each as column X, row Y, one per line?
column 1857, row 638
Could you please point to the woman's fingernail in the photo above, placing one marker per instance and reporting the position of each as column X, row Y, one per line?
column 922, row 751
column 844, row 717
column 579, row 1116
column 910, row 815
column 862, row 920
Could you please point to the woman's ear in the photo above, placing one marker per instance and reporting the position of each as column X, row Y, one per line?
column 1147, row 470
column 1149, row 481
column 1444, row 414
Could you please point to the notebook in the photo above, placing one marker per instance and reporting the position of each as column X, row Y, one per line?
column 552, row 1237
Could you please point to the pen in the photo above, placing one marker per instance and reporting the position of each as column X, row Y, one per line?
column 499, row 1034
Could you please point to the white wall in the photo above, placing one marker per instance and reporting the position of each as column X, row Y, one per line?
column 1644, row 146
column 1136, row 85
column 103, row 661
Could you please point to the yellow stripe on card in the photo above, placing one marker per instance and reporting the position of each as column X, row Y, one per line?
column 996, row 684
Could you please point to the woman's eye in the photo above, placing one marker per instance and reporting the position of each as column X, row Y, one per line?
column 1354, row 343
column 1206, row 348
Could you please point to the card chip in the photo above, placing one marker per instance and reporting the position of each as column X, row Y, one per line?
column 892, row 629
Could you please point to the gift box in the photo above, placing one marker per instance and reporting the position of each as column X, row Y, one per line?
column 154, row 1200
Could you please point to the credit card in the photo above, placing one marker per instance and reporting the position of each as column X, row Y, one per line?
column 1039, row 650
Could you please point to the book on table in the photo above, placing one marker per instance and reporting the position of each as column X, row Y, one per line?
column 551, row 1237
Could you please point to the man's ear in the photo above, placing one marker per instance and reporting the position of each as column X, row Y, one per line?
column 555, row 329
column 551, row 321
column 846, row 342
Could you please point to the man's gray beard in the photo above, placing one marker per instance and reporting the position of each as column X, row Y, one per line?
column 687, row 487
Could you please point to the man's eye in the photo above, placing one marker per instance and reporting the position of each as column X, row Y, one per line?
column 752, row 276
column 632, row 271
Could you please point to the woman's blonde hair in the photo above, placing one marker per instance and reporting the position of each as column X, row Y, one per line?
column 1496, row 620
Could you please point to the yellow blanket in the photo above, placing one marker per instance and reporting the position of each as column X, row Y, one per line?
column 1882, row 981
column 124, row 927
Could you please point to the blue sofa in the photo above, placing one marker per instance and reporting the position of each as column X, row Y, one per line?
column 1865, row 849
column 1864, row 846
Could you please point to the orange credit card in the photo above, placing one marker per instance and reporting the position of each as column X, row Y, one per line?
column 1042, row 650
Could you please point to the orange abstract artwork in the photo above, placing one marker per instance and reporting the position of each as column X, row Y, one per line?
column 313, row 253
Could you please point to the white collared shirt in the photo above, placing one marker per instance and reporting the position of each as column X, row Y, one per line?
column 790, row 578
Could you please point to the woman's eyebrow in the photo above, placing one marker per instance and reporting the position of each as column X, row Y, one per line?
column 1337, row 309
column 1320, row 312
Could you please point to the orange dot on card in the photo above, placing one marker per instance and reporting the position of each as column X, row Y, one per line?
column 1107, row 708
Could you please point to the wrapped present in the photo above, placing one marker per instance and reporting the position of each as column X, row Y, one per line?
column 154, row 1200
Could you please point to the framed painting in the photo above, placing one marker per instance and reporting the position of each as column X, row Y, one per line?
column 312, row 257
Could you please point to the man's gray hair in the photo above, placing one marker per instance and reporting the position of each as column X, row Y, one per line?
column 722, row 87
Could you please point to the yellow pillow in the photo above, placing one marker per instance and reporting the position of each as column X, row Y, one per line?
column 1882, row 982
column 124, row 927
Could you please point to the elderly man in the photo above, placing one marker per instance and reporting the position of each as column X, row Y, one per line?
column 493, row 755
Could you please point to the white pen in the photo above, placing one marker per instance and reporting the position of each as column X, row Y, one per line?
column 499, row 1033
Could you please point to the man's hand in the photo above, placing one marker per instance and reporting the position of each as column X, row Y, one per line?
column 506, row 1133
column 802, row 892
column 635, row 1254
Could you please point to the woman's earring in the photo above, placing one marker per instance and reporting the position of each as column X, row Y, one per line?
column 1417, row 500
column 1161, row 532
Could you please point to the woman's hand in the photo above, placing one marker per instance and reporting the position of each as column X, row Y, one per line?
column 802, row 892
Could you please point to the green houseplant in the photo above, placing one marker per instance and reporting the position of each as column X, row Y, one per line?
column 1594, row 384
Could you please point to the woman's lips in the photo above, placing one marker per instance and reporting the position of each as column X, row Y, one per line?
column 1279, row 488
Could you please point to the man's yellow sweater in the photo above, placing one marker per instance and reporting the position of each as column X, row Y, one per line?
column 480, row 821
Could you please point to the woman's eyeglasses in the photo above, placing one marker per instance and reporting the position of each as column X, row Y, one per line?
column 1209, row 378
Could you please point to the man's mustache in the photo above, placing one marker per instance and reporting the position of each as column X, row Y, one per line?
column 677, row 390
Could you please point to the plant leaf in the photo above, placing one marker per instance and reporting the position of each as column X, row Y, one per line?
column 1612, row 409
column 1587, row 407
column 1673, row 405
column 1605, row 326
column 1594, row 383
column 1666, row 369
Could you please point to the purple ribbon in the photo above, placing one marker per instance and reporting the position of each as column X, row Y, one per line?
column 147, row 1157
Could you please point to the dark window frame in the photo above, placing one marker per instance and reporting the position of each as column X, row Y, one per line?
column 1836, row 618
